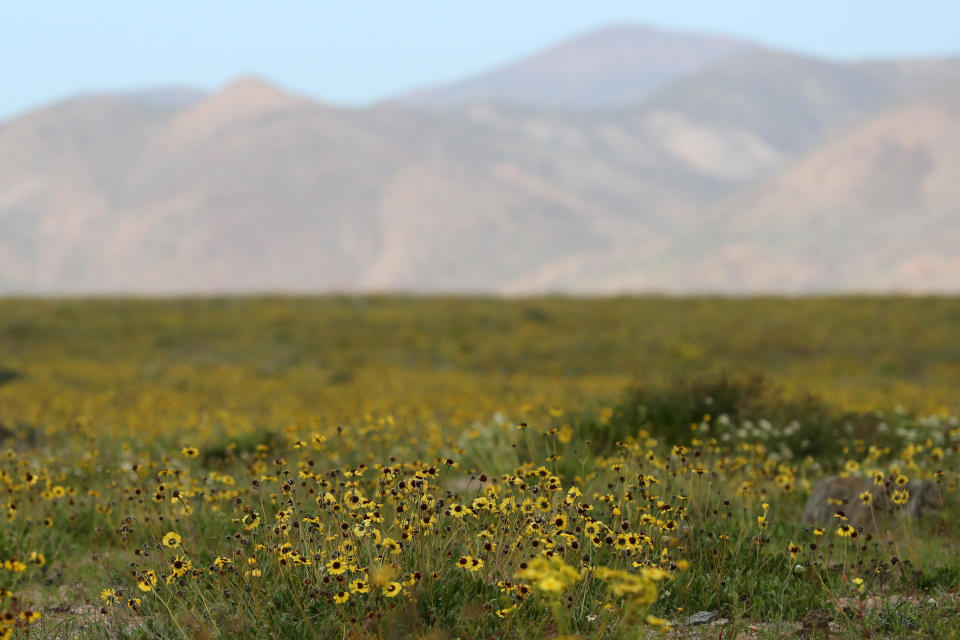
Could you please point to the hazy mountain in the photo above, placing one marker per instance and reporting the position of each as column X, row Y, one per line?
column 761, row 172
column 876, row 208
column 169, row 97
column 789, row 102
column 605, row 68
column 253, row 188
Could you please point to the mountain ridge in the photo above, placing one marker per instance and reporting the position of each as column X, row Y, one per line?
column 613, row 65
column 762, row 172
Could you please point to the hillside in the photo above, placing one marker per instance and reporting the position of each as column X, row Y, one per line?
column 605, row 68
column 763, row 171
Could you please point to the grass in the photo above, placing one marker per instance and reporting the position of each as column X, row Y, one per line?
column 472, row 468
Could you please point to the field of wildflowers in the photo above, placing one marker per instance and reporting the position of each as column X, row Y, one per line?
column 476, row 468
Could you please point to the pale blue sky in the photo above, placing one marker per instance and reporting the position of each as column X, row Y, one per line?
column 354, row 52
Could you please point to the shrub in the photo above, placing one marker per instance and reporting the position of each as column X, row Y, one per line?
column 728, row 408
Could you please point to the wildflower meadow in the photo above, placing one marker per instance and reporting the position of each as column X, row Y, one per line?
column 431, row 468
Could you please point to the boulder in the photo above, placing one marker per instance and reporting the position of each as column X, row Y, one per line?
column 843, row 493
column 702, row 617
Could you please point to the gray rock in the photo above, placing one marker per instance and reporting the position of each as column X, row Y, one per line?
column 702, row 617
column 925, row 496
column 843, row 494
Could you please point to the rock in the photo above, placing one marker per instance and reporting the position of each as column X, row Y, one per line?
column 702, row 617
column 925, row 497
column 838, row 493
column 469, row 486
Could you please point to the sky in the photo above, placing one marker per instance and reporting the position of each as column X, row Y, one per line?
column 356, row 52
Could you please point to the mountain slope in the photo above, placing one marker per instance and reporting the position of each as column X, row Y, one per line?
column 875, row 209
column 253, row 189
column 609, row 67
column 765, row 172
column 790, row 102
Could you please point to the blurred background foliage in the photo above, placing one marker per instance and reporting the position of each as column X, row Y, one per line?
column 199, row 365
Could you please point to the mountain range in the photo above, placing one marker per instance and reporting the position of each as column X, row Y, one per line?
column 630, row 159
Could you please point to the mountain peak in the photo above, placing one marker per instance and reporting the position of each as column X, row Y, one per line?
column 243, row 99
column 608, row 67
column 759, row 172
column 255, row 90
